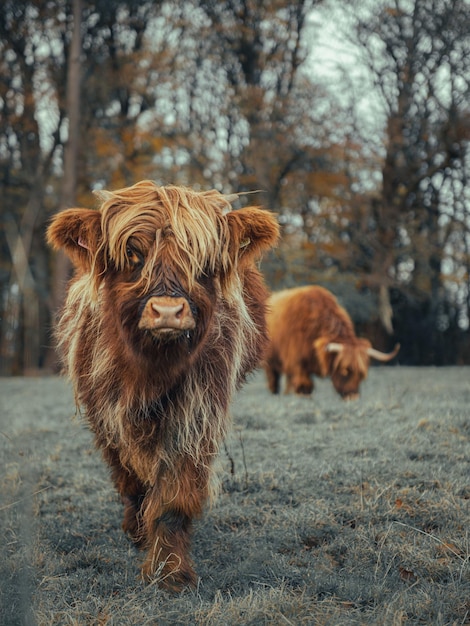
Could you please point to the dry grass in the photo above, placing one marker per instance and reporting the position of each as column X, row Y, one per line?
column 331, row 513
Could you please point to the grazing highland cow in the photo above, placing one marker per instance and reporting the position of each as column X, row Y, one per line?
column 164, row 317
column 310, row 334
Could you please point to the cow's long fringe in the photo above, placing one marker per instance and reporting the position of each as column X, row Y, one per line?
column 140, row 212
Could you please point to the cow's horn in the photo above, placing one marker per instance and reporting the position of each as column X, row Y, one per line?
column 383, row 356
column 103, row 194
column 334, row 347
column 227, row 202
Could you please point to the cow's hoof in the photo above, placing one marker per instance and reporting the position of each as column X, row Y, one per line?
column 169, row 575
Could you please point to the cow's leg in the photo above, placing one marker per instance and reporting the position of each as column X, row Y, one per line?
column 132, row 521
column 300, row 381
column 168, row 514
column 168, row 560
column 132, row 493
column 288, row 387
column 273, row 376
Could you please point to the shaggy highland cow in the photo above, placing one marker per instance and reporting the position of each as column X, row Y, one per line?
column 164, row 317
column 311, row 334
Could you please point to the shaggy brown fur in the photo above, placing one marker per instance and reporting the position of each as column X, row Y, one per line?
column 310, row 334
column 164, row 317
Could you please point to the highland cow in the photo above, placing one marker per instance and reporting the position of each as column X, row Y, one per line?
column 163, row 319
column 311, row 334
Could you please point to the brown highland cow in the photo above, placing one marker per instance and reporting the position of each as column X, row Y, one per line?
column 164, row 317
column 311, row 334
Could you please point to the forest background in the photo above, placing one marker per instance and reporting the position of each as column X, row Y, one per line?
column 351, row 120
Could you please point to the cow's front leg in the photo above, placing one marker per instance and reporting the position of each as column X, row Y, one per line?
column 299, row 381
column 273, row 376
column 168, row 513
column 168, row 560
column 132, row 521
column 132, row 493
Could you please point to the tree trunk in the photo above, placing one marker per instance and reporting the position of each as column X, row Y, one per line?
column 61, row 264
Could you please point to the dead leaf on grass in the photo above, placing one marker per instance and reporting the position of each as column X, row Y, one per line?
column 448, row 546
column 408, row 575
column 401, row 504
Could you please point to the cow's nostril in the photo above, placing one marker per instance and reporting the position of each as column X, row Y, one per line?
column 156, row 310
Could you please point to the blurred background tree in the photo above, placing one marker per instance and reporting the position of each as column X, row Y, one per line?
column 417, row 54
column 365, row 161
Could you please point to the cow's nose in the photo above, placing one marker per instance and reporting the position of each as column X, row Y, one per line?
column 167, row 313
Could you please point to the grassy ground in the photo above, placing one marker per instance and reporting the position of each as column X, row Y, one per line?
column 330, row 512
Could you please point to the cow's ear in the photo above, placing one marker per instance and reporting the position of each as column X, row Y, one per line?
column 252, row 231
column 319, row 346
column 78, row 233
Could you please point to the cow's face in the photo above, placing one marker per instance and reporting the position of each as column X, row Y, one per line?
column 161, row 257
column 346, row 364
column 347, row 375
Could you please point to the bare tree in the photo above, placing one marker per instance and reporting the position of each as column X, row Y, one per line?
column 260, row 47
column 24, row 169
column 418, row 54
column 61, row 265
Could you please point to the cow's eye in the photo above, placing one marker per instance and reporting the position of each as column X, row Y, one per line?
column 134, row 258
